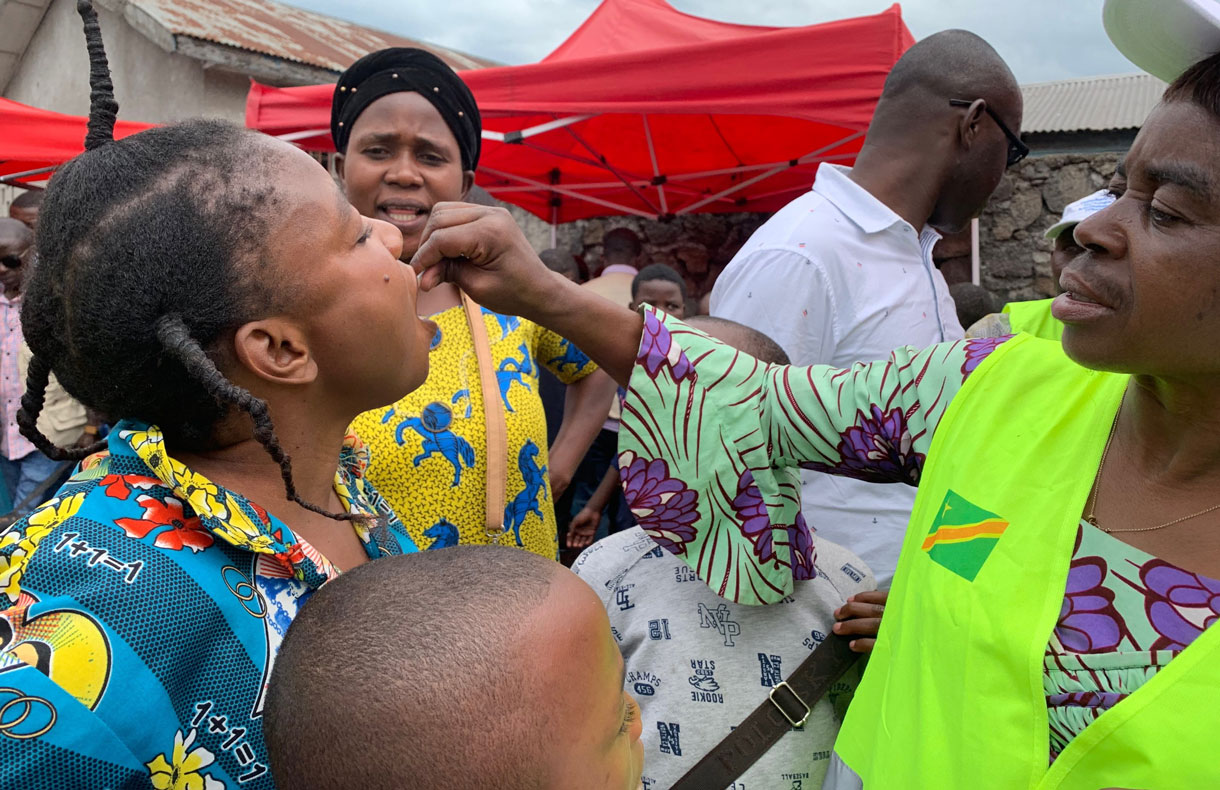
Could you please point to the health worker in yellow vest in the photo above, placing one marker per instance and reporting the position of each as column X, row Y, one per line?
column 1034, row 317
column 1050, row 622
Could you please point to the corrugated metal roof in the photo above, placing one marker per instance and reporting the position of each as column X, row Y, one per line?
column 1090, row 103
column 283, row 31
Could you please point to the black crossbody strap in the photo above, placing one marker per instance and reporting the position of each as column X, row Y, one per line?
column 787, row 705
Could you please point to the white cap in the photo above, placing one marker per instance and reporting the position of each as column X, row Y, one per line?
column 1163, row 37
column 1082, row 209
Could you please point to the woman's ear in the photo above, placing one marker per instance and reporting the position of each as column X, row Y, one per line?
column 340, row 160
column 467, row 183
column 275, row 350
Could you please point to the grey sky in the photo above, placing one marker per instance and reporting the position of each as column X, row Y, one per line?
column 1041, row 39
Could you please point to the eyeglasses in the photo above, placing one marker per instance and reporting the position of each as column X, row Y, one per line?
column 1017, row 150
column 11, row 261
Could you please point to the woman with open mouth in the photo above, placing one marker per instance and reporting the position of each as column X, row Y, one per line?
column 463, row 459
column 210, row 291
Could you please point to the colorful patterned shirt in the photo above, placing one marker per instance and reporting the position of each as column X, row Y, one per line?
column 429, row 449
column 145, row 607
column 12, row 384
column 706, row 431
column 1126, row 613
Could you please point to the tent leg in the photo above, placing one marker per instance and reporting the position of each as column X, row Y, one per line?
column 554, row 226
column 974, row 251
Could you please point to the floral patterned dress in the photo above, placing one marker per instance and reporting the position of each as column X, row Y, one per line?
column 141, row 612
column 707, row 430
column 1126, row 613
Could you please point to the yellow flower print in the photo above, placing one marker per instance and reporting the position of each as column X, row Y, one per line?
column 201, row 494
column 143, row 441
column 204, row 496
column 55, row 512
column 238, row 529
column 18, row 544
column 181, row 771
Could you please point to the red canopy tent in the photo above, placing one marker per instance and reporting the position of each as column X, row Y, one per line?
column 645, row 110
column 34, row 142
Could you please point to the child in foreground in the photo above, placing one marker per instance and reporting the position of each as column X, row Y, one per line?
column 472, row 666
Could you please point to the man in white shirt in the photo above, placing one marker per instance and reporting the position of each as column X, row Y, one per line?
column 844, row 273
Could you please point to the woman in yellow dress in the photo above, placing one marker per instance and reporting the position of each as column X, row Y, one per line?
column 457, row 464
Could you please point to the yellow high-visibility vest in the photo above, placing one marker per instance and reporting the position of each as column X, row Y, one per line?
column 953, row 696
column 1035, row 318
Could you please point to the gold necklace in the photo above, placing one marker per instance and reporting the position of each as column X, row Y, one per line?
column 1092, row 502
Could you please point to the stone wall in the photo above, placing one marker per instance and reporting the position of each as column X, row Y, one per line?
column 697, row 245
column 1015, row 258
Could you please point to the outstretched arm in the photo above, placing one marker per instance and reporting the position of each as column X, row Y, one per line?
column 711, row 439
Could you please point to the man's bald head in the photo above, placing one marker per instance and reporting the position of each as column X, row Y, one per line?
column 952, row 64
column 15, row 234
column 408, row 672
column 16, row 240
column 561, row 261
column 960, row 152
column 25, row 207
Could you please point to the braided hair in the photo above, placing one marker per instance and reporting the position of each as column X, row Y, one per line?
column 151, row 254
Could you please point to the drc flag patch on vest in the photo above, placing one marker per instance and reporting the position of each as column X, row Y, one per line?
column 963, row 535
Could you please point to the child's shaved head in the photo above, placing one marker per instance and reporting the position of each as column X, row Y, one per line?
column 742, row 338
column 444, row 669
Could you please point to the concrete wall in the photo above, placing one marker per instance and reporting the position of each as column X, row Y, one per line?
column 150, row 83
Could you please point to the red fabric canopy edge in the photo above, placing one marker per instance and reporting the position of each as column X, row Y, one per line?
column 855, row 54
column 750, row 110
column 35, row 139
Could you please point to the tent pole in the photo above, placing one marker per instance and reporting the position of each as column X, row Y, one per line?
column 615, row 172
column 974, row 251
column 656, row 171
column 301, row 135
column 763, row 176
column 13, row 177
column 532, row 131
column 554, row 224
column 635, row 212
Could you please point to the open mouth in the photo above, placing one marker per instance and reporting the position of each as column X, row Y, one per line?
column 1079, row 297
column 398, row 214
column 407, row 214
column 1076, row 305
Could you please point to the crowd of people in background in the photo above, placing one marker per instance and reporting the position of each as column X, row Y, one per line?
column 272, row 525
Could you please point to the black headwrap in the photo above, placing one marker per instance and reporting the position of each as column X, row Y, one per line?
column 407, row 69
